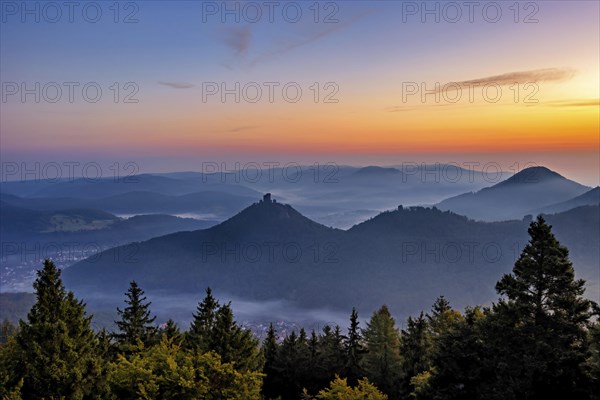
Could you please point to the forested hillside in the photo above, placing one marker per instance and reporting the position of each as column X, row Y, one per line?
column 540, row 340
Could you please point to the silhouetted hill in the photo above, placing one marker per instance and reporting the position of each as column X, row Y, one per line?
column 268, row 218
column 85, row 226
column 24, row 221
column 591, row 197
column 318, row 191
column 403, row 258
column 513, row 197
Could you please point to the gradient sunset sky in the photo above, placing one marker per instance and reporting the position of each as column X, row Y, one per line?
column 367, row 55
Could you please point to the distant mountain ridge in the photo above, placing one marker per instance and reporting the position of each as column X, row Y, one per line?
column 270, row 251
column 592, row 197
column 219, row 204
column 318, row 191
column 514, row 197
column 89, row 226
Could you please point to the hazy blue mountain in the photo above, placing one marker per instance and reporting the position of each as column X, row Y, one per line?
column 215, row 205
column 106, row 187
column 405, row 258
column 28, row 236
column 27, row 222
column 514, row 197
column 591, row 197
column 317, row 191
column 39, row 228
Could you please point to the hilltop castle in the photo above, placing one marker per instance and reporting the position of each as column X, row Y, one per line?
column 267, row 199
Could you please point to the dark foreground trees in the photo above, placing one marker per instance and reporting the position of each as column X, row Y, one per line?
column 535, row 343
column 55, row 354
column 539, row 341
column 546, row 321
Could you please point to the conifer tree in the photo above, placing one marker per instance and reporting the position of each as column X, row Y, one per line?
column 382, row 360
column 460, row 367
column 199, row 335
column 354, row 350
column 213, row 328
column 232, row 342
column 340, row 390
column 136, row 325
column 416, row 350
column 542, row 322
column 55, row 353
column 270, row 351
column 287, row 361
column 331, row 359
column 442, row 317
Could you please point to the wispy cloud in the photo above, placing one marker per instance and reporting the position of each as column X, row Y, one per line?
column 240, row 40
column 292, row 44
column 177, row 85
column 242, row 128
column 511, row 78
column 237, row 38
column 572, row 103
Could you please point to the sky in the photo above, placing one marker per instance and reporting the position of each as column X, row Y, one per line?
column 169, row 85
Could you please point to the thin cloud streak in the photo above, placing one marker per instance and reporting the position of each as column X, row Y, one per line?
column 511, row 78
column 291, row 45
column 177, row 85
column 242, row 128
column 573, row 103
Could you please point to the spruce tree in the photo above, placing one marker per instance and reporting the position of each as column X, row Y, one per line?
column 382, row 360
column 442, row 317
column 542, row 323
column 416, row 349
column 213, row 328
column 199, row 335
column 461, row 366
column 136, row 325
column 232, row 342
column 55, row 353
column 287, row 362
column 331, row 359
column 270, row 350
column 354, row 351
